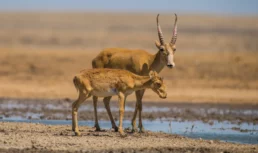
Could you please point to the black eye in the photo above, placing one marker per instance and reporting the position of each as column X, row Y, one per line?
column 161, row 49
column 158, row 85
column 174, row 50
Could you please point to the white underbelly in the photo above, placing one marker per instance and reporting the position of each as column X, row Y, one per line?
column 109, row 92
column 128, row 92
column 105, row 93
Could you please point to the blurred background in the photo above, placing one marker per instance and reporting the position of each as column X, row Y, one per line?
column 44, row 43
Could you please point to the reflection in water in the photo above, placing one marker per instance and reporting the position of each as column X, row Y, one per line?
column 88, row 107
column 82, row 108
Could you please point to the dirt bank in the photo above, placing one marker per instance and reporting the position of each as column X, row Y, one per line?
column 30, row 137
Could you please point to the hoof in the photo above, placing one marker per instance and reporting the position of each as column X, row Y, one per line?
column 141, row 130
column 97, row 128
column 116, row 129
column 122, row 134
column 77, row 134
column 134, row 130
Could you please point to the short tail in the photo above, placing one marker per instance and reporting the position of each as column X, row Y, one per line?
column 76, row 82
column 79, row 84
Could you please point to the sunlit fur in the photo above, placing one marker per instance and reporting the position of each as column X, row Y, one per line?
column 110, row 82
column 139, row 62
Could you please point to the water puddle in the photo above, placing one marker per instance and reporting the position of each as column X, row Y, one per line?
column 224, row 131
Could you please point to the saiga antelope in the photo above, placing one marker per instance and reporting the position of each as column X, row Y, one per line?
column 110, row 82
column 139, row 62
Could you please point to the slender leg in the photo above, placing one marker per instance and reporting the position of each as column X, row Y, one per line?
column 139, row 95
column 134, row 127
column 75, row 106
column 121, row 98
column 75, row 111
column 106, row 101
column 95, row 100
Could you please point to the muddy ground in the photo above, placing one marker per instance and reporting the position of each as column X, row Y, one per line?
column 32, row 137
column 60, row 109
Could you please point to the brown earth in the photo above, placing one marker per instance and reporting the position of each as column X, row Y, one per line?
column 30, row 137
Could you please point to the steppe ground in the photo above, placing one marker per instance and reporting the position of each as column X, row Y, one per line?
column 216, row 57
column 39, row 138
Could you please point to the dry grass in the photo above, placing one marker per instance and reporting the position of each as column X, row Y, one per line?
column 99, row 30
column 211, row 78
column 216, row 56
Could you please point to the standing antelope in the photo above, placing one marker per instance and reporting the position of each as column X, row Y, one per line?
column 139, row 62
column 110, row 82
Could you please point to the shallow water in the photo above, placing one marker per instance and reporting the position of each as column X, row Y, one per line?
column 223, row 131
column 60, row 110
column 233, row 123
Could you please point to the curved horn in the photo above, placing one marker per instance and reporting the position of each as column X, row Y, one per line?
column 161, row 39
column 174, row 37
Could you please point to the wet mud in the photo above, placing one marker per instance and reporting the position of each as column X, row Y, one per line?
column 60, row 109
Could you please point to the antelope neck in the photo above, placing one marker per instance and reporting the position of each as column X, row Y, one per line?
column 142, row 82
column 157, row 65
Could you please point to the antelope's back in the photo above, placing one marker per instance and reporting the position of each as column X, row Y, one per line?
column 119, row 58
column 104, row 78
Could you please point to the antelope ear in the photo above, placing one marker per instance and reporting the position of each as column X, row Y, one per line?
column 157, row 44
column 173, row 46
